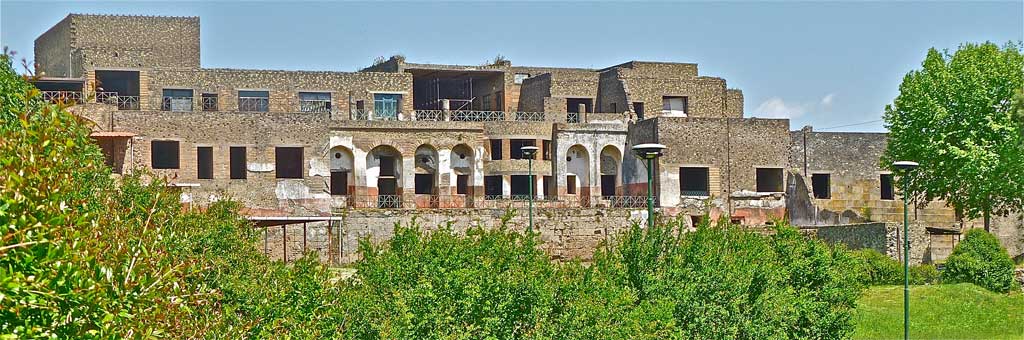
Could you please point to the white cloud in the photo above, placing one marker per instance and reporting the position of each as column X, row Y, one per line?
column 827, row 101
column 776, row 107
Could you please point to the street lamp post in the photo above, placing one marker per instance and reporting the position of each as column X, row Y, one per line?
column 905, row 167
column 649, row 152
column 529, row 152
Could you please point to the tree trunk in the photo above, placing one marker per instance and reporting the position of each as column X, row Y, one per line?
column 988, row 221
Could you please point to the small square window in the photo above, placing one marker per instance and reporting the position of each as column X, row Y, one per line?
column 769, row 179
column 675, row 105
column 493, row 186
column 288, row 162
column 693, row 181
column 210, row 102
column 164, row 154
column 520, row 77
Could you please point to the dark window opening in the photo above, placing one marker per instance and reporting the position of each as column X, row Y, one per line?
column 204, row 162
column 695, row 220
column 821, row 183
column 549, row 187
column 570, row 184
column 462, row 184
column 693, row 181
column 164, row 154
column 288, row 162
column 238, row 162
column 521, row 186
column 769, row 179
column 516, row 147
column 579, row 105
column 339, row 182
column 387, row 166
column 495, row 149
column 177, row 100
column 492, row 186
column 638, row 107
column 119, row 88
column 607, row 185
column 887, row 193
column 424, row 184
column 546, row 150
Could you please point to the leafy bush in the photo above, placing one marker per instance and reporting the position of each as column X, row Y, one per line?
column 979, row 259
column 878, row 269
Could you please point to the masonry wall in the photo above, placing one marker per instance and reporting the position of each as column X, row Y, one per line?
column 648, row 82
column 53, row 52
column 123, row 41
column 345, row 87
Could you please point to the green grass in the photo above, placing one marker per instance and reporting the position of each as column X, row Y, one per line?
column 953, row 311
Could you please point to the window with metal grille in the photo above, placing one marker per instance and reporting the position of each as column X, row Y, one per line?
column 316, row 102
column 238, row 162
column 204, row 162
column 210, row 102
column 179, row 100
column 386, row 106
column 288, row 162
column 769, row 179
column 164, row 154
column 253, row 101
column 821, row 183
column 693, row 181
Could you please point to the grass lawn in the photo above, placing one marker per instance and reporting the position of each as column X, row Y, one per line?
column 954, row 311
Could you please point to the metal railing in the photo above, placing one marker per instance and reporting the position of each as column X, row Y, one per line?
column 315, row 105
column 179, row 104
column 695, row 193
column 253, row 104
column 431, row 115
column 210, row 103
column 122, row 102
column 530, row 116
column 358, row 114
column 625, row 201
column 477, row 116
column 63, row 97
column 572, row 117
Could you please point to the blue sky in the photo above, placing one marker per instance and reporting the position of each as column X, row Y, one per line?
column 821, row 64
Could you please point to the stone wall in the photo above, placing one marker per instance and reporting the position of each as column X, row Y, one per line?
column 886, row 238
column 53, row 52
column 124, row 41
column 648, row 82
column 566, row 233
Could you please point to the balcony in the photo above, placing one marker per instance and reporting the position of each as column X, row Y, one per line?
column 177, row 104
column 530, row 116
column 477, row 116
column 572, row 117
column 315, row 105
column 122, row 102
column 65, row 97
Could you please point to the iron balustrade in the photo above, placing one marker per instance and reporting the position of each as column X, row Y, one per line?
column 695, row 193
column 315, row 105
column 122, row 102
column 430, row 115
column 358, row 114
column 253, row 104
column 63, row 97
column 477, row 116
column 209, row 103
column 572, row 117
column 179, row 104
column 530, row 116
column 625, row 201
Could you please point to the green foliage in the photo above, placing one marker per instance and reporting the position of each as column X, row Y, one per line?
column 878, row 269
column 979, row 259
column 954, row 117
column 488, row 284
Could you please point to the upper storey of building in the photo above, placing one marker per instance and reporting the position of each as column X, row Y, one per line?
column 152, row 63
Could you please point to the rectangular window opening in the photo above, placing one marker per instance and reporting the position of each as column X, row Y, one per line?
column 520, row 77
column 204, row 162
column 570, row 184
column 769, row 179
column 424, row 184
column 210, row 102
column 516, row 147
column 288, row 162
column 493, row 186
column 238, row 162
column 675, row 105
column 886, row 182
column 253, row 101
column 693, row 181
column 315, row 102
column 495, row 149
column 638, row 107
column 339, row 183
column 821, row 183
column 177, row 100
column 462, row 184
column 546, row 150
column 387, row 166
column 165, row 154
column 521, row 185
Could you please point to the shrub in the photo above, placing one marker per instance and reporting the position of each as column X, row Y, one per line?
column 979, row 259
column 878, row 269
column 924, row 274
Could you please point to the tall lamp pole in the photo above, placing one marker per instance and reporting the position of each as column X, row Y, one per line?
column 529, row 152
column 905, row 167
column 649, row 152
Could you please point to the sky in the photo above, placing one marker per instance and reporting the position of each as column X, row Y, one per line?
column 832, row 65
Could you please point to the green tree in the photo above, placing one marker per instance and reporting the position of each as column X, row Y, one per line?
column 954, row 117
